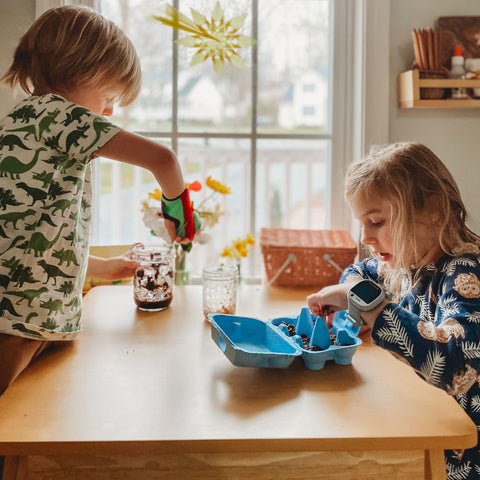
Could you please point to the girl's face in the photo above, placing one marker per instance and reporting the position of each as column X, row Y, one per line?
column 374, row 216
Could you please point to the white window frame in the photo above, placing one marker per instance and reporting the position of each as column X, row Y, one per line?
column 361, row 89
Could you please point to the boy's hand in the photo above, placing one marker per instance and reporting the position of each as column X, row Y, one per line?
column 185, row 219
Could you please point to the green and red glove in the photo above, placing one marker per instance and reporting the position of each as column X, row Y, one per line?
column 180, row 211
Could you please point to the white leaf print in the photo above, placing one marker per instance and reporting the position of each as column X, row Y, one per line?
column 449, row 268
column 473, row 317
column 394, row 332
column 476, row 403
column 462, row 400
column 433, row 367
column 458, row 473
column 471, row 349
column 448, row 306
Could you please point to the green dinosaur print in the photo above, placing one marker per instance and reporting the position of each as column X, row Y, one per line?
column 37, row 194
column 53, row 272
column 12, row 141
column 13, row 167
column 100, row 126
column 49, row 324
column 40, row 244
column 44, row 218
column 73, row 303
column 6, row 306
column 28, row 129
column 30, row 316
column 2, row 232
column 53, row 142
column 46, row 122
column 75, row 136
column 22, row 328
column 78, row 182
column 4, row 281
column 44, row 177
column 7, row 198
column 62, row 205
column 55, row 190
column 28, row 295
column 24, row 114
column 67, row 256
column 52, row 306
column 13, row 243
column 14, row 217
column 75, row 115
column 23, row 275
column 67, row 288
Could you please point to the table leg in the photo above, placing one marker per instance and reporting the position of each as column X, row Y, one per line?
column 435, row 465
column 15, row 468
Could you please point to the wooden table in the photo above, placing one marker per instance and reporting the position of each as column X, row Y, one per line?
column 137, row 384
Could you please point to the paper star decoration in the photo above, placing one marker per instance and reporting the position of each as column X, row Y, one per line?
column 215, row 39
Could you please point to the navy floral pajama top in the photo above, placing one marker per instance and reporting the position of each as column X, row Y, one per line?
column 436, row 329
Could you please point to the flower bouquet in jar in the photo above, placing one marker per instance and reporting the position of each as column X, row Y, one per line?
column 209, row 210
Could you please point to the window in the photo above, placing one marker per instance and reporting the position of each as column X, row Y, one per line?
column 278, row 133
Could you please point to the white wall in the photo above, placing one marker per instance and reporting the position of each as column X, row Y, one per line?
column 453, row 134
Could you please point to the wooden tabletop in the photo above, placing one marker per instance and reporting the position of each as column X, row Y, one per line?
column 156, row 382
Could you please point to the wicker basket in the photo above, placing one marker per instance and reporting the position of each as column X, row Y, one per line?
column 432, row 93
column 307, row 266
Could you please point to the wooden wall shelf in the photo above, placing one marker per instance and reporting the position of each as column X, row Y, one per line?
column 409, row 85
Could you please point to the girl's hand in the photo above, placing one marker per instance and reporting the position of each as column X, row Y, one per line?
column 329, row 300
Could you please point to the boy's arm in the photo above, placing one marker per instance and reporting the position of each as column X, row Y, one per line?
column 137, row 150
column 181, row 220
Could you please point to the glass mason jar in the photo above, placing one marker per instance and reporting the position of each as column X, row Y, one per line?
column 155, row 277
column 219, row 289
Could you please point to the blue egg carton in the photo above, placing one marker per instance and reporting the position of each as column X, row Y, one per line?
column 251, row 342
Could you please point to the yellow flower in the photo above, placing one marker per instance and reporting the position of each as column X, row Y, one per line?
column 239, row 247
column 156, row 194
column 227, row 252
column 217, row 186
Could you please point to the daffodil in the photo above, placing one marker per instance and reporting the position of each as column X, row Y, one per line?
column 156, row 194
column 217, row 186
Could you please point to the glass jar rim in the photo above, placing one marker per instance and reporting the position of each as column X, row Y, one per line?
column 220, row 271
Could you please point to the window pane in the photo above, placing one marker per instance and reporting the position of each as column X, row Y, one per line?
column 209, row 101
column 292, row 183
column 283, row 165
column 293, row 66
column 152, row 111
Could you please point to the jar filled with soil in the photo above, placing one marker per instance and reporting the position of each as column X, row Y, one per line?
column 155, row 277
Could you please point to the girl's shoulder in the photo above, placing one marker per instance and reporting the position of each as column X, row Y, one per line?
column 464, row 262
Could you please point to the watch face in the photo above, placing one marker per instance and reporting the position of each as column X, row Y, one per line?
column 366, row 291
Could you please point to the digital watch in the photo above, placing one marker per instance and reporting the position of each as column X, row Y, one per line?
column 364, row 296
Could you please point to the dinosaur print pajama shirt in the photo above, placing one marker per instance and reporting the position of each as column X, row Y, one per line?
column 435, row 328
column 46, row 148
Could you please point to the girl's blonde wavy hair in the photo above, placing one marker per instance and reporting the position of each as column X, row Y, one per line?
column 410, row 177
column 74, row 46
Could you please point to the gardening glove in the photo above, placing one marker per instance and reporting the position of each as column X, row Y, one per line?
column 180, row 211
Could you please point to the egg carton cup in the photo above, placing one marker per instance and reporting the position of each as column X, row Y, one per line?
column 252, row 342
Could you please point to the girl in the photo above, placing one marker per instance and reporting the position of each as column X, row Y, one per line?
column 74, row 65
column 427, row 259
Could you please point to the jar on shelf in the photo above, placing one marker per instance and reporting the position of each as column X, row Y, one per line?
column 219, row 289
column 155, row 277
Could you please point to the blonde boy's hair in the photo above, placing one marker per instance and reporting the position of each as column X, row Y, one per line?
column 413, row 180
column 74, row 46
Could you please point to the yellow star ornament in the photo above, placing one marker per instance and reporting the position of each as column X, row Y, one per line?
column 215, row 39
